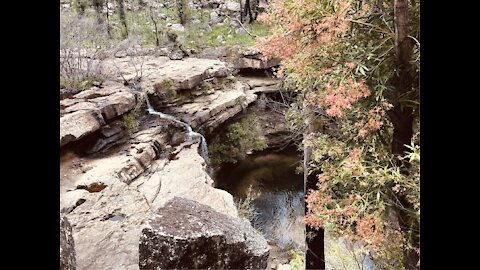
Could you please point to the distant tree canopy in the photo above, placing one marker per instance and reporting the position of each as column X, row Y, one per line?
column 356, row 66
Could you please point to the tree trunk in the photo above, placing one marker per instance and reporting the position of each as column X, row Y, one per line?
column 108, row 20
column 97, row 4
column 123, row 17
column 402, row 81
column 402, row 116
column 241, row 12
column 247, row 10
column 315, row 255
column 181, row 8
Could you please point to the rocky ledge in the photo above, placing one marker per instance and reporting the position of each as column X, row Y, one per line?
column 200, row 92
column 253, row 59
column 108, row 199
column 208, row 111
column 89, row 110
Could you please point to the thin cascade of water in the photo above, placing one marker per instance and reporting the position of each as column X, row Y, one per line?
column 190, row 133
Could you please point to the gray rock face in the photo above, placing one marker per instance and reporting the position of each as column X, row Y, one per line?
column 207, row 3
column 185, row 177
column 115, row 105
column 214, row 18
column 252, row 58
column 185, row 74
column 240, row 31
column 247, row 62
column 213, row 53
column 177, row 27
column 208, row 112
column 191, row 71
column 90, row 109
column 136, row 179
column 107, row 136
column 176, row 54
column 76, row 125
column 231, row 6
column 186, row 234
column 67, row 246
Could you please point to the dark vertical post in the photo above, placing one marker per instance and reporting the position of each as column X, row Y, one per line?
column 315, row 254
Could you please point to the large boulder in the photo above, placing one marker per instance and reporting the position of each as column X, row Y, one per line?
column 115, row 104
column 189, row 72
column 253, row 58
column 108, row 135
column 78, row 124
column 184, row 74
column 256, row 63
column 230, row 7
column 107, row 227
column 186, row 234
column 67, row 246
column 214, row 18
column 89, row 110
column 185, row 176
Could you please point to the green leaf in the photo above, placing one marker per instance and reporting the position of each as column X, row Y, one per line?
column 362, row 71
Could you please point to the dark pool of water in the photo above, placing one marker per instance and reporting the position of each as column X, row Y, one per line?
column 278, row 193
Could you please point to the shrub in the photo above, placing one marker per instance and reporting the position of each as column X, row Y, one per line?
column 245, row 207
column 82, row 43
column 343, row 254
column 183, row 10
column 297, row 261
column 130, row 119
column 165, row 89
column 238, row 138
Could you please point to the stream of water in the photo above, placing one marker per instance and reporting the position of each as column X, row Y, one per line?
column 278, row 193
column 190, row 133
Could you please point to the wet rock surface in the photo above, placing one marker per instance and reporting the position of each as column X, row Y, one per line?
column 186, row 234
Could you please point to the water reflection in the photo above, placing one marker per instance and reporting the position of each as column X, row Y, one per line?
column 278, row 193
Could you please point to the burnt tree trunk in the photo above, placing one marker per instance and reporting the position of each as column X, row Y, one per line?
column 315, row 254
column 402, row 116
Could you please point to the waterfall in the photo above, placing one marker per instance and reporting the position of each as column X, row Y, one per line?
column 190, row 133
